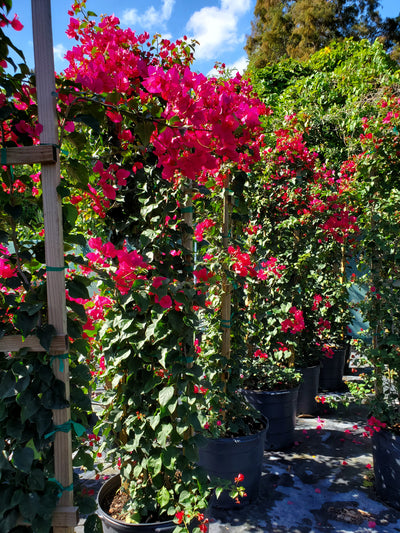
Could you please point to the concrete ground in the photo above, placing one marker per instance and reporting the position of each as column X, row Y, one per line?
column 323, row 483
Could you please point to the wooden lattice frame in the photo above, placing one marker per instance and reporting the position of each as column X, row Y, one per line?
column 66, row 516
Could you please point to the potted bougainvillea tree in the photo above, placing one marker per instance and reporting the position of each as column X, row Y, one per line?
column 298, row 212
column 376, row 195
column 157, row 131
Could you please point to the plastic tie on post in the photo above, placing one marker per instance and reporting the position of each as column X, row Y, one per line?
column 68, row 488
column 66, row 427
column 187, row 209
column 226, row 324
column 61, row 358
column 55, row 269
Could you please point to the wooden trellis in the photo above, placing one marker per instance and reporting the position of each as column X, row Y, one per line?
column 65, row 517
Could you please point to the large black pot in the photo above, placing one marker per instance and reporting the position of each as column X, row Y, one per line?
column 111, row 525
column 280, row 409
column 225, row 458
column 306, row 404
column 386, row 454
column 332, row 368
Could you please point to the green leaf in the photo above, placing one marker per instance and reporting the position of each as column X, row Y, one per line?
column 165, row 395
column 163, row 497
column 23, row 458
column 191, row 453
column 164, row 433
column 93, row 524
column 156, row 464
column 78, row 309
column 70, row 214
column 218, row 491
column 168, row 458
column 7, row 385
column 154, row 420
column 29, row 405
column 77, row 289
column 29, row 505
column 36, row 480
column 142, row 300
column 25, row 323
column 45, row 335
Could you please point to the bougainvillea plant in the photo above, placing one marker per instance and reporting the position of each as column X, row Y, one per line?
column 299, row 216
column 141, row 133
column 376, row 195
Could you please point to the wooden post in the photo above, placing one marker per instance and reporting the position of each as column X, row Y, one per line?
column 226, row 300
column 187, row 242
column 54, row 246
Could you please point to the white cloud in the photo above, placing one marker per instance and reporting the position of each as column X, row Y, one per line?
column 151, row 17
column 240, row 65
column 59, row 51
column 214, row 27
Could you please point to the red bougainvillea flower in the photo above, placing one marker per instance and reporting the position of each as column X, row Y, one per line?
column 166, row 302
column 239, row 478
column 373, row 425
column 201, row 227
column 296, row 324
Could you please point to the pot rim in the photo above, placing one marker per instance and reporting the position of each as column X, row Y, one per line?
column 116, row 480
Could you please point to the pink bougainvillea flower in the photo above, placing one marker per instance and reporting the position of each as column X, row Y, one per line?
column 16, row 24
column 158, row 281
column 69, row 126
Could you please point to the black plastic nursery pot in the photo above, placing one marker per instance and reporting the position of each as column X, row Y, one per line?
column 111, row 525
column 308, row 390
column 280, row 409
column 225, row 458
column 332, row 369
column 386, row 454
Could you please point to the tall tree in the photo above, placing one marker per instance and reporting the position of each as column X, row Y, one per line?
column 298, row 28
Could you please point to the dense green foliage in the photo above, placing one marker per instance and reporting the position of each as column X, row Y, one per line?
column 288, row 29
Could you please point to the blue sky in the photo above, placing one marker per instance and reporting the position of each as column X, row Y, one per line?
column 221, row 26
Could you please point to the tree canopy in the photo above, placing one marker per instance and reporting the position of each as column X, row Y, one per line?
column 297, row 29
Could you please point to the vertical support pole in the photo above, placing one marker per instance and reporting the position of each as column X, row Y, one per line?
column 187, row 239
column 54, row 246
column 226, row 303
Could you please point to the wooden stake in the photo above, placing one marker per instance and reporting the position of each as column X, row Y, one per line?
column 226, row 303
column 54, row 246
column 187, row 241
